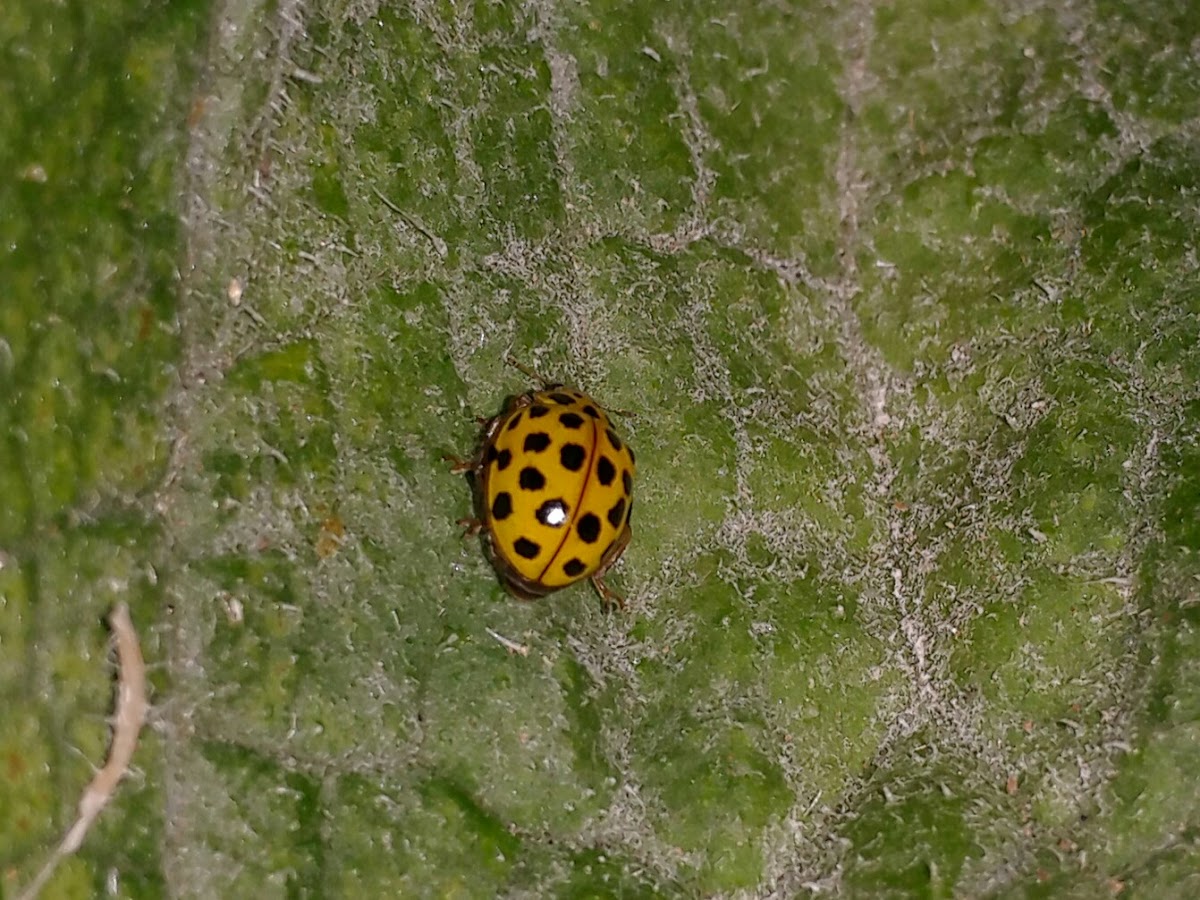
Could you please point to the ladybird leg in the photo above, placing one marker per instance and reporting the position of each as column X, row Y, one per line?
column 610, row 597
column 471, row 527
column 627, row 413
column 536, row 376
column 458, row 465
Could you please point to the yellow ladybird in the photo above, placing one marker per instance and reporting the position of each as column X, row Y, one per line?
column 554, row 490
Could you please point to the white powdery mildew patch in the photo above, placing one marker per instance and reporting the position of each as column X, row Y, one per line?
column 890, row 584
column 455, row 35
column 1135, row 133
column 886, row 398
column 563, row 104
column 564, row 91
column 713, row 383
column 699, row 143
column 592, row 333
column 696, row 136
column 1081, row 766
column 628, row 822
column 788, row 534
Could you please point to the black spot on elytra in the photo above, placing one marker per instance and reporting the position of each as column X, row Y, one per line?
column 531, row 479
column 503, row 458
column 513, row 422
column 526, row 548
column 537, row 411
column 502, row 506
column 606, row 471
column 589, row 528
column 627, row 482
column 613, row 439
column 564, row 399
column 592, row 411
column 573, row 567
column 491, row 453
column 616, row 513
column 572, row 457
column 553, row 513
column 632, row 458
column 571, row 420
column 536, row 442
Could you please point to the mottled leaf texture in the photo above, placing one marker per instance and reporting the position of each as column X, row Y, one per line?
column 902, row 298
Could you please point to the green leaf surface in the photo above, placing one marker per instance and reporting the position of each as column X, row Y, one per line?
column 901, row 298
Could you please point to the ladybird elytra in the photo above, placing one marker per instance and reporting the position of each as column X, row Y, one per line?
column 554, row 492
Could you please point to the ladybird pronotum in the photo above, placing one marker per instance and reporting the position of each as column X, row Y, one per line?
column 554, row 484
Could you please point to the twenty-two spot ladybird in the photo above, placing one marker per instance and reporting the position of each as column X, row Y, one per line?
column 554, row 485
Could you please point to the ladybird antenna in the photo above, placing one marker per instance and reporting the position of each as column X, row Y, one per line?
column 520, row 367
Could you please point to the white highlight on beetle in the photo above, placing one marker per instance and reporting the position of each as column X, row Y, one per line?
column 127, row 725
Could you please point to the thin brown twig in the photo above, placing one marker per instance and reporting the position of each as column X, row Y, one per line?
column 127, row 725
